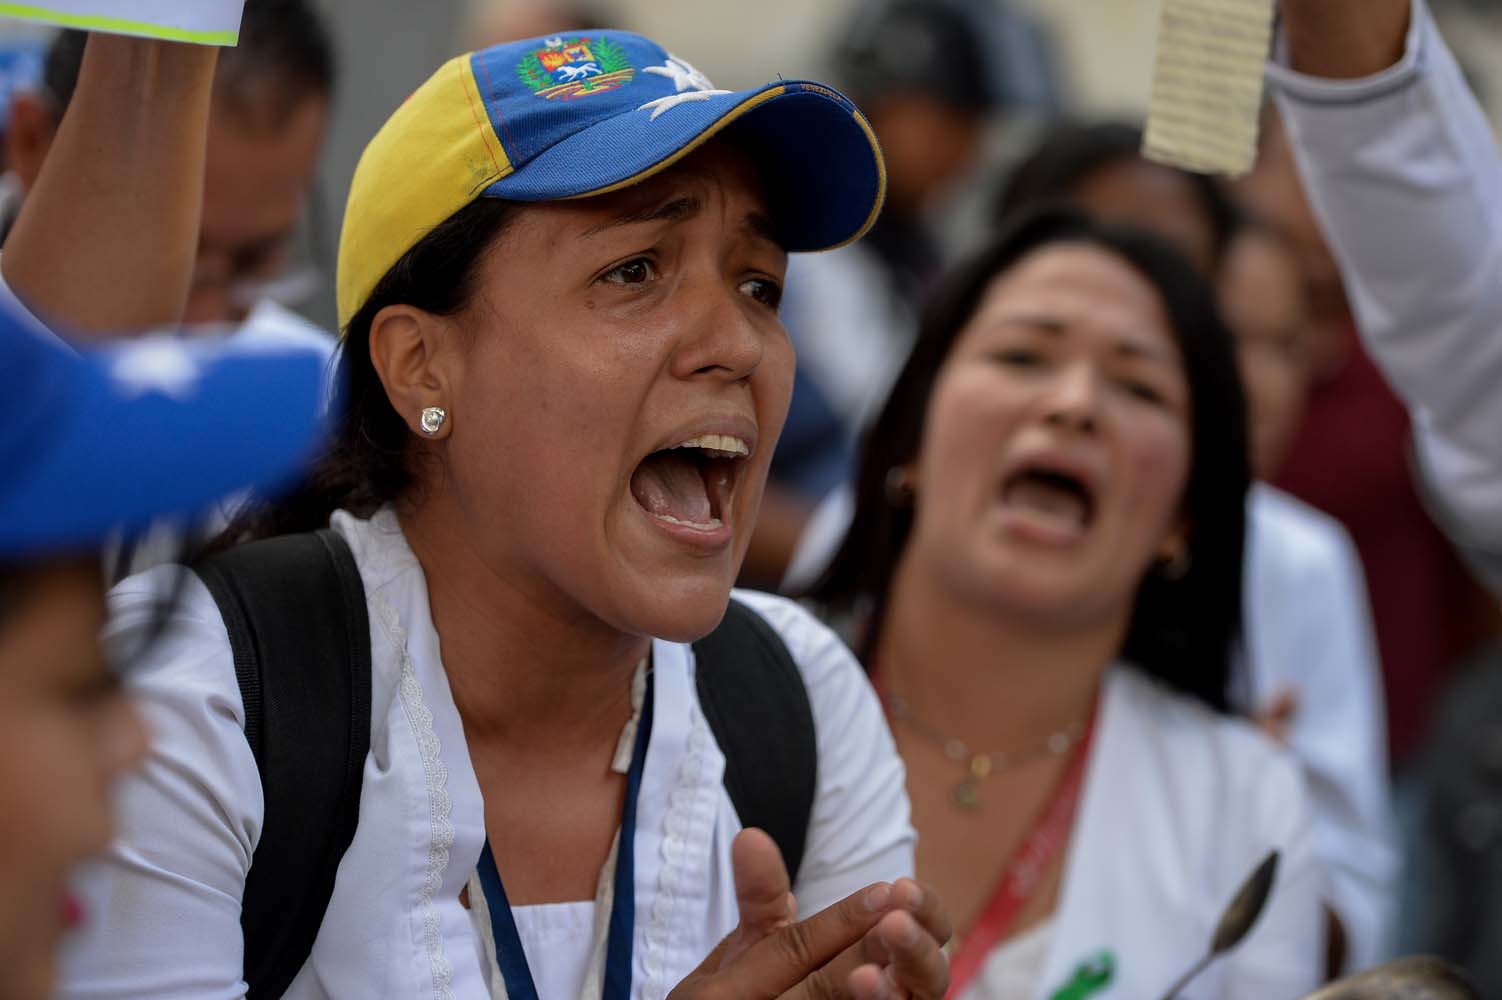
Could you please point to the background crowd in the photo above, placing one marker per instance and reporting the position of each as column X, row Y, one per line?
column 1356, row 622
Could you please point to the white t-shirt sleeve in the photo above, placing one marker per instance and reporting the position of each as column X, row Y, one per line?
column 1404, row 174
column 163, row 906
column 860, row 831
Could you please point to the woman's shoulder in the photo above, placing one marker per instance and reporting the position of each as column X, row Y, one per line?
column 859, row 831
column 846, row 710
column 165, row 621
column 186, row 662
column 821, row 655
column 189, row 643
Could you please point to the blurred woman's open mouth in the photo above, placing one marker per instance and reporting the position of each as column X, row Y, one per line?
column 688, row 488
column 1049, row 503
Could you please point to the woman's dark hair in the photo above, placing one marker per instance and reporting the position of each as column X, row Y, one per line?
column 1069, row 153
column 1182, row 629
column 370, row 462
column 12, row 584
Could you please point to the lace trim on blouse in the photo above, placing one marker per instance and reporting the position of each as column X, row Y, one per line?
column 440, row 821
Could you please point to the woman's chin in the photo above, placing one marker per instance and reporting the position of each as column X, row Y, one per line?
column 678, row 614
column 1029, row 590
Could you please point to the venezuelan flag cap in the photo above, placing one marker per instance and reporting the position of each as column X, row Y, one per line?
column 587, row 113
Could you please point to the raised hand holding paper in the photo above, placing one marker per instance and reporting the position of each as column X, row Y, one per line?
column 204, row 22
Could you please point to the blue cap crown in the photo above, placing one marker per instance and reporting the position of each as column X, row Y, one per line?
column 585, row 113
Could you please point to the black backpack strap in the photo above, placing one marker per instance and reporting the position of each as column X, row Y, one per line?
column 753, row 696
column 294, row 607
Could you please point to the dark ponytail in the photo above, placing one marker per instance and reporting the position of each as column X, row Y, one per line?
column 370, row 462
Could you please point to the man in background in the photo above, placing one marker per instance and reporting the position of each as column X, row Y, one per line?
column 267, row 123
column 267, row 120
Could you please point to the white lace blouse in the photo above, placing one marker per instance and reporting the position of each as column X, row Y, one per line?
column 163, row 908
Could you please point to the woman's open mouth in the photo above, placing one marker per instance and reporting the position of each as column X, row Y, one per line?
column 691, row 484
column 1056, row 504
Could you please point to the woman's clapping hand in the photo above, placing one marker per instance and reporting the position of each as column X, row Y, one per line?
column 884, row 942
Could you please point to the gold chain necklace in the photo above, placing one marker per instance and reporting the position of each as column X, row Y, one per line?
column 979, row 766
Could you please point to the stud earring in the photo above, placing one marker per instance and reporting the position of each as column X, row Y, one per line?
column 899, row 487
column 1177, row 565
column 432, row 420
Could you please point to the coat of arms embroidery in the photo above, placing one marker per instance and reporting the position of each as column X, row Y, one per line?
column 567, row 69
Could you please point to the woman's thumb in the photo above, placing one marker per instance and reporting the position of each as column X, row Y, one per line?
column 762, row 892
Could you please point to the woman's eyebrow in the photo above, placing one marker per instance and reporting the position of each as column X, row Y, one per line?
column 1147, row 350
column 1126, row 346
column 674, row 210
column 1037, row 322
column 761, row 226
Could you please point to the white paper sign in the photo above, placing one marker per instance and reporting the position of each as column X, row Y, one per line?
column 1207, row 88
column 205, row 22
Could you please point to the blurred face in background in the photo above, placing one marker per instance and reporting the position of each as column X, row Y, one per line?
column 928, row 145
column 260, row 162
column 1263, row 296
column 502, row 21
column 1056, row 445
column 259, row 169
column 1275, row 193
column 66, row 732
column 1155, row 198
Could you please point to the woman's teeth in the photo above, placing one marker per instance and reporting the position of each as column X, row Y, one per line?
column 718, row 445
column 709, row 525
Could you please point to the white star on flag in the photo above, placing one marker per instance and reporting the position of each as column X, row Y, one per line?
column 690, row 84
column 684, row 76
column 160, row 365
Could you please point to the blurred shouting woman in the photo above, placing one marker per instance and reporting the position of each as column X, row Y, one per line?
column 1044, row 565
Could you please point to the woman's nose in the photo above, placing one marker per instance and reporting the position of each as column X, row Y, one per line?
column 720, row 338
column 1073, row 400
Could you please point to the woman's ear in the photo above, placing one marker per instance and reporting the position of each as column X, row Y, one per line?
column 411, row 353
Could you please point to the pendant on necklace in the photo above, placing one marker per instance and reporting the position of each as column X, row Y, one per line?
column 967, row 792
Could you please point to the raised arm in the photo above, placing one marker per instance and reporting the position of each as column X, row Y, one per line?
column 1343, row 39
column 107, row 237
column 1405, row 177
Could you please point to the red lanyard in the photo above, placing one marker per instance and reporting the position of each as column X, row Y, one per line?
column 1043, row 844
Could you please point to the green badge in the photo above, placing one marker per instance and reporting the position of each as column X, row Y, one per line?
column 1092, row 977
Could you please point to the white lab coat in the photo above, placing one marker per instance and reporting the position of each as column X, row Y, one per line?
column 1179, row 806
column 1404, row 175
